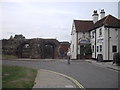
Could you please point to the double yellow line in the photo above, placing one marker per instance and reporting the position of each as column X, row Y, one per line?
column 70, row 78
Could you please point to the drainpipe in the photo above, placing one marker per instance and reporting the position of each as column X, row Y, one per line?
column 108, row 42
column 77, row 45
column 95, row 44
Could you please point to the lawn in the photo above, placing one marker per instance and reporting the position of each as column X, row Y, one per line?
column 18, row 77
column 6, row 57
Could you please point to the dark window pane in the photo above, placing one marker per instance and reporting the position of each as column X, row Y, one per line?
column 97, row 48
column 114, row 48
column 100, row 48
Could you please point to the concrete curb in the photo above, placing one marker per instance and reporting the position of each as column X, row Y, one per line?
column 70, row 78
column 32, row 60
column 75, row 82
column 105, row 64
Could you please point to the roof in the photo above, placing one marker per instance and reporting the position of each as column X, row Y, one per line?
column 108, row 21
column 87, row 25
column 83, row 25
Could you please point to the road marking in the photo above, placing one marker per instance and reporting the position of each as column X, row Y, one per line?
column 68, row 86
column 70, row 78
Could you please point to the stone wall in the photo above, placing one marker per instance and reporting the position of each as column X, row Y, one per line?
column 29, row 48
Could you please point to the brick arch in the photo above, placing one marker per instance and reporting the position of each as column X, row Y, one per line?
column 24, row 51
column 49, row 50
column 55, row 44
column 36, row 48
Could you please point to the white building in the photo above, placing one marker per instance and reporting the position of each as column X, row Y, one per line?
column 103, row 34
column 80, row 38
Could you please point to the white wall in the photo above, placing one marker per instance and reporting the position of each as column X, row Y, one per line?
column 73, row 43
column 119, row 39
column 113, row 41
column 100, row 41
column 113, row 34
column 92, row 41
column 105, row 48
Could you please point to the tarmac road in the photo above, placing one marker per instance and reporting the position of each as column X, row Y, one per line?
column 89, row 75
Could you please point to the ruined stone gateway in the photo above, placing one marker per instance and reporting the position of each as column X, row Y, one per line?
column 35, row 48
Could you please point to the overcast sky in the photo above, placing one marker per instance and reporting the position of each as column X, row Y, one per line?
column 48, row 19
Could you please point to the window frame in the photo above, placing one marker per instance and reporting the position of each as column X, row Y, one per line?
column 93, row 34
column 114, row 48
column 97, row 48
column 93, row 48
column 100, row 48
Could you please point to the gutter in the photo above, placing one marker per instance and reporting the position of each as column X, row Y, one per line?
column 95, row 43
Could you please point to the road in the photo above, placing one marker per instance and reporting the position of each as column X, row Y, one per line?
column 89, row 75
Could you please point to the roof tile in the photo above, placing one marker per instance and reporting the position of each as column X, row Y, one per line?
column 87, row 25
column 83, row 25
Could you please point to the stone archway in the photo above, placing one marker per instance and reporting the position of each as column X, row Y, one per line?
column 50, row 48
column 24, row 50
column 38, row 49
column 49, row 51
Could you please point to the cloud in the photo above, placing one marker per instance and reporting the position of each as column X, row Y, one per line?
column 46, row 19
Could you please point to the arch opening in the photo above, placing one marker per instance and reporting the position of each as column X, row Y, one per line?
column 49, row 51
column 23, row 50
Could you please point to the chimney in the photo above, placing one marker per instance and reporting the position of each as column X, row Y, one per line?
column 95, row 16
column 102, row 14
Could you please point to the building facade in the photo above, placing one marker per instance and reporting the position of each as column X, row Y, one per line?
column 103, row 34
column 80, row 39
column 105, row 37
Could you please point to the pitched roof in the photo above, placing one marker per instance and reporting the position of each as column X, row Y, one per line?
column 87, row 25
column 108, row 21
column 83, row 25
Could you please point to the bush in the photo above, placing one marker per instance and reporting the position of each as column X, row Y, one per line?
column 100, row 57
column 88, row 49
column 116, row 58
column 6, row 57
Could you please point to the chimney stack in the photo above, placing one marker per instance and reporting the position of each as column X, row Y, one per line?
column 102, row 14
column 95, row 16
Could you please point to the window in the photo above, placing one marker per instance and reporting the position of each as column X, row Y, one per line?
column 83, row 32
column 93, row 48
column 97, row 49
column 100, row 48
column 100, row 32
column 92, row 34
column 114, row 48
column 116, row 29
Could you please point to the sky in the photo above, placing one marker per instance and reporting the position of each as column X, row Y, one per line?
column 47, row 19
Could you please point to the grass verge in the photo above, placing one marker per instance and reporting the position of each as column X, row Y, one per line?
column 18, row 77
column 6, row 57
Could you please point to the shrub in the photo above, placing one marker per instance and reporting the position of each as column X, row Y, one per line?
column 116, row 58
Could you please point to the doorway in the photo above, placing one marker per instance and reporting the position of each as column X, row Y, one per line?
column 85, row 51
column 49, row 51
